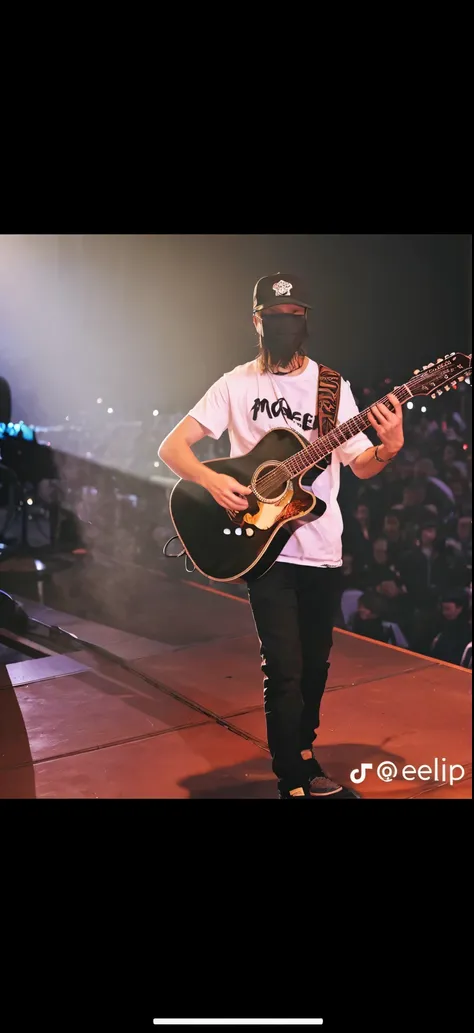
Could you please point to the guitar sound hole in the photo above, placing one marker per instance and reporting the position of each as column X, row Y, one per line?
column 269, row 484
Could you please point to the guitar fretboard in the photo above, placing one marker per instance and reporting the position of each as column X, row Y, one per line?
column 319, row 449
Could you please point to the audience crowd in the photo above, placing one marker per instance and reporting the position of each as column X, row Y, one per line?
column 407, row 544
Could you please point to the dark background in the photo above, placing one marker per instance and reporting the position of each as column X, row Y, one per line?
column 151, row 320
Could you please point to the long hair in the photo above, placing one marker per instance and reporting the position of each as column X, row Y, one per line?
column 264, row 355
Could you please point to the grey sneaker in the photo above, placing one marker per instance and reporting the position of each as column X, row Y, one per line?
column 321, row 784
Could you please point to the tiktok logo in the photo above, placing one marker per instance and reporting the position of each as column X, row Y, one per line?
column 356, row 777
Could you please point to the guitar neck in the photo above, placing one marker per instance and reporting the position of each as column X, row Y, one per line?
column 308, row 457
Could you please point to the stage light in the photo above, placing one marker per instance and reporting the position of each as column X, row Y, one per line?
column 109, row 409
column 29, row 502
column 156, row 464
column 155, row 412
column 99, row 401
column 423, row 408
column 465, row 448
column 409, row 405
column 66, row 417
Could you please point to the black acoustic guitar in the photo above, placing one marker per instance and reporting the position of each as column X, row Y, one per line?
column 227, row 545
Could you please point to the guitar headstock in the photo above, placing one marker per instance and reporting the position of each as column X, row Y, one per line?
column 441, row 375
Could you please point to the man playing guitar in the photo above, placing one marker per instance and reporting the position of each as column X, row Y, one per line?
column 295, row 601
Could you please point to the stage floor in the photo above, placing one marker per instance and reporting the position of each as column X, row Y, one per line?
column 78, row 725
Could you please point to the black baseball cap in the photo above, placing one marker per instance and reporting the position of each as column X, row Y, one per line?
column 278, row 289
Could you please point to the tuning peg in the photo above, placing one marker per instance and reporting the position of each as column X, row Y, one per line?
column 416, row 372
column 430, row 364
column 454, row 386
column 439, row 391
column 447, row 387
column 460, row 379
column 439, row 360
column 434, row 395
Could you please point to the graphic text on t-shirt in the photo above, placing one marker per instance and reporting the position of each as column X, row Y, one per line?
column 281, row 408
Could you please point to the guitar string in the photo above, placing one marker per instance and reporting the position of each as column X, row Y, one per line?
column 274, row 479
column 277, row 476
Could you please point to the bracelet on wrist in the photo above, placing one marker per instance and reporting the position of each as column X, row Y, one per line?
column 379, row 460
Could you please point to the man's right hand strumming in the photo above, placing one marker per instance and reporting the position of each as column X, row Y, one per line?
column 176, row 452
column 225, row 490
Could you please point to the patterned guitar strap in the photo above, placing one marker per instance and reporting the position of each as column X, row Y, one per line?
column 327, row 408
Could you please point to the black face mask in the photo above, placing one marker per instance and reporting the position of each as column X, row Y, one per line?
column 283, row 335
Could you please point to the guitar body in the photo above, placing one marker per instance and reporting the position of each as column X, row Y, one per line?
column 244, row 545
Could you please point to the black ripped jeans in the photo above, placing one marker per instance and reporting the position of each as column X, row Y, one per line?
column 294, row 609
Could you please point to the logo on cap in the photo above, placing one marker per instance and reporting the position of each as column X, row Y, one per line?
column 282, row 287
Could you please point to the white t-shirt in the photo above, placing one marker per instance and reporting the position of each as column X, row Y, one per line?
column 248, row 403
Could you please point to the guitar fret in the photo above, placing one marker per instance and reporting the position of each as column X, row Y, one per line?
column 320, row 448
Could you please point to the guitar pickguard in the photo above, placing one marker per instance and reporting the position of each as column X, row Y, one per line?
column 270, row 515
